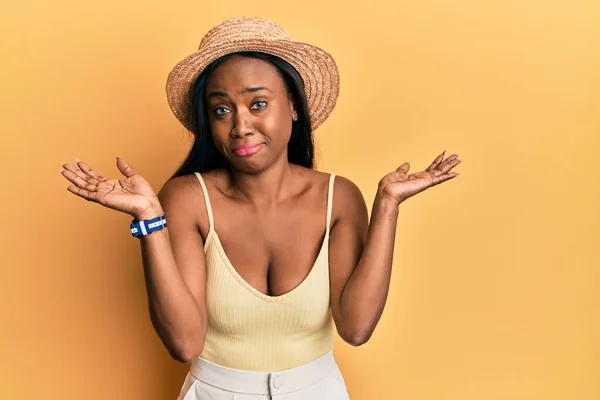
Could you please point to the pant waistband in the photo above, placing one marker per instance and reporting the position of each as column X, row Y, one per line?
column 264, row 383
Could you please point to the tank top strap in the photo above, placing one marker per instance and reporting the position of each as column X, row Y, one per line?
column 330, row 202
column 206, row 201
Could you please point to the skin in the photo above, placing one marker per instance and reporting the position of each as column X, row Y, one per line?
column 269, row 215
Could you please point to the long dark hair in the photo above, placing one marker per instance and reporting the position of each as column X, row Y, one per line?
column 204, row 156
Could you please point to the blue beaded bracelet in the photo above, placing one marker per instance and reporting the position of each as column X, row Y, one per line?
column 147, row 226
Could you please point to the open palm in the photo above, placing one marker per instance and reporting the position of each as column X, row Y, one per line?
column 132, row 195
column 401, row 185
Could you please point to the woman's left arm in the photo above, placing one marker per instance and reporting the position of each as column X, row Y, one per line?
column 361, row 253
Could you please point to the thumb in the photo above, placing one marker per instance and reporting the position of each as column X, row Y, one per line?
column 404, row 168
column 125, row 168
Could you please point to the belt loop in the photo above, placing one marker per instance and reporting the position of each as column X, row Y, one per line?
column 270, row 384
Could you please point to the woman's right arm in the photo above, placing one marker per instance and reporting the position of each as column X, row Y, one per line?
column 174, row 271
column 173, row 257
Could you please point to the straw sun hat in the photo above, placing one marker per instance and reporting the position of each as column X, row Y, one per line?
column 316, row 67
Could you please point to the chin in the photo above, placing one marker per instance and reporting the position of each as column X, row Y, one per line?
column 248, row 165
column 258, row 162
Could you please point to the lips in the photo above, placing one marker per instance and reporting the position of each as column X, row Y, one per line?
column 248, row 149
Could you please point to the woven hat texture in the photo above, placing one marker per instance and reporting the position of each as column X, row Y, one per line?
column 316, row 67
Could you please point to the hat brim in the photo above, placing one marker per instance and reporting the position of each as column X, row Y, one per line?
column 316, row 67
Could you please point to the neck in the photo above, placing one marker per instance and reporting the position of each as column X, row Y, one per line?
column 265, row 188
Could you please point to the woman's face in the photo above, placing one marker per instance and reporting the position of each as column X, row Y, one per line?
column 250, row 113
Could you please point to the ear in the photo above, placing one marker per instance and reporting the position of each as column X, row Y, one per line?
column 292, row 108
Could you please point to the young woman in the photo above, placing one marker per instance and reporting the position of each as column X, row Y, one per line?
column 263, row 255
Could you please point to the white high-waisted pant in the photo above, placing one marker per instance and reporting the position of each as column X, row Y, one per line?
column 318, row 380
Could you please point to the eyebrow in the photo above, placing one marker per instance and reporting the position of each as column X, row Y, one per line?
column 255, row 89
column 246, row 90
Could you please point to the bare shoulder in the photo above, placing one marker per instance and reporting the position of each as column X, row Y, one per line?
column 347, row 197
column 181, row 197
column 345, row 188
column 179, row 189
column 348, row 200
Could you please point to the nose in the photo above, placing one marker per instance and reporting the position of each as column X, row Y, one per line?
column 242, row 124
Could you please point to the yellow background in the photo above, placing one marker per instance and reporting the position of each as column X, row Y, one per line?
column 495, row 290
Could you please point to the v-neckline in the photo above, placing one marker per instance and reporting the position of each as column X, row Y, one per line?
column 213, row 236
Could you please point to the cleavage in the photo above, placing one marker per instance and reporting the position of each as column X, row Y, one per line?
column 273, row 261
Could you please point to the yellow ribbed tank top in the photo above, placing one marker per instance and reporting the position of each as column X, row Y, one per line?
column 249, row 330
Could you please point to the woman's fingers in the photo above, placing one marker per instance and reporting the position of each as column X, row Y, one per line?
column 84, row 172
column 436, row 162
column 86, row 194
column 443, row 178
column 451, row 164
column 90, row 172
column 446, row 165
column 75, row 170
column 81, row 182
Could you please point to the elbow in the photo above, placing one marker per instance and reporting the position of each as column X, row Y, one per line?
column 356, row 338
column 182, row 347
column 354, row 331
column 186, row 352
column 356, row 341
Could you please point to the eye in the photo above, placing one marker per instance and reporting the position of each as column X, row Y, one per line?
column 259, row 105
column 220, row 111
